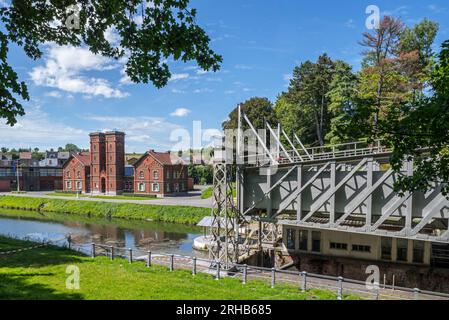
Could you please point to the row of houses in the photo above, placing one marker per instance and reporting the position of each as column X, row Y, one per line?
column 104, row 169
column 28, row 174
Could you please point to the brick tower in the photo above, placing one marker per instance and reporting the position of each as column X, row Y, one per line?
column 107, row 152
column 97, row 160
column 115, row 161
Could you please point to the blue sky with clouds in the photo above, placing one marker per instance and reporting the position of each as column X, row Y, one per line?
column 74, row 92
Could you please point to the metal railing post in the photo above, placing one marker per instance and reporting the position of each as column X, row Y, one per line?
column 217, row 277
column 304, row 281
column 340, row 288
column 245, row 273
column 148, row 259
column 93, row 250
column 376, row 293
column 130, row 256
column 172, row 263
column 273, row 277
column 112, row 252
column 416, row 293
column 194, row 266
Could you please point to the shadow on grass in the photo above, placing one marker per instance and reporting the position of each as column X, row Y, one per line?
column 16, row 287
column 19, row 270
column 40, row 257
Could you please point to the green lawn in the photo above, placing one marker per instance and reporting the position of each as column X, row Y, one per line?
column 119, row 197
column 41, row 274
column 207, row 193
column 177, row 214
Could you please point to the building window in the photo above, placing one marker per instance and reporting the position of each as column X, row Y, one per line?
column 141, row 174
column 168, row 174
column 155, row 187
column 167, row 187
column 402, row 249
column 79, row 185
column 141, row 187
column 338, row 246
column 78, row 174
column 418, row 251
column 361, row 248
column 156, row 175
column 69, row 184
column 385, row 247
column 316, row 241
column 291, row 239
column 303, row 239
column 67, row 174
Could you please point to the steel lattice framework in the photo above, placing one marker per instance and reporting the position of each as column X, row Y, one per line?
column 225, row 222
column 346, row 187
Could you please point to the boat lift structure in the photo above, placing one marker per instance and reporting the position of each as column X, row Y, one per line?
column 346, row 187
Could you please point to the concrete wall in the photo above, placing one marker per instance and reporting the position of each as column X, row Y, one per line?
column 350, row 239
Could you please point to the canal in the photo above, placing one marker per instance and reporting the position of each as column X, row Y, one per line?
column 135, row 234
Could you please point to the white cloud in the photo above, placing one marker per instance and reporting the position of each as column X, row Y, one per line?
column 37, row 129
column 203, row 90
column 436, row 9
column 53, row 94
column 243, row 67
column 65, row 70
column 180, row 112
column 287, row 78
column 179, row 76
column 142, row 133
column 399, row 11
column 350, row 23
column 178, row 91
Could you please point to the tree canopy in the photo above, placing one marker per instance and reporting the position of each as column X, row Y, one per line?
column 148, row 33
column 258, row 111
column 400, row 96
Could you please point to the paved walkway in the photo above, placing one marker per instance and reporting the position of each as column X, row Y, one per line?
column 193, row 199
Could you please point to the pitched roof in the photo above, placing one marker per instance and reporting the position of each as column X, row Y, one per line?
column 83, row 157
column 165, row 158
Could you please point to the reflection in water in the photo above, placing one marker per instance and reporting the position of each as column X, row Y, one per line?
column 157, row 237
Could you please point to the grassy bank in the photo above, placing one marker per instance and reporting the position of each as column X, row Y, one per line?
column 130, row 224
column 41, row 274
column 119, row 197
column 176, row 214
column 207, row 193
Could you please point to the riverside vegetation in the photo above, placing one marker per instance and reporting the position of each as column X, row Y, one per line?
column 174, row 214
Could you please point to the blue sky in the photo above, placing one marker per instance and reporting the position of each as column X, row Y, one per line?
column 74, row 93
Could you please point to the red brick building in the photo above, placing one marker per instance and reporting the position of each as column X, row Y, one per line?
column 107, row 162
column 76, row 172
column 102, row 170
column 160, row 174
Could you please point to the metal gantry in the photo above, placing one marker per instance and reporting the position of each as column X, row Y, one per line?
column 346, row 187
column 224, row 247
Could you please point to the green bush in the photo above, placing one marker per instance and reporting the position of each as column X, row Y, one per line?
column 177, row 214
